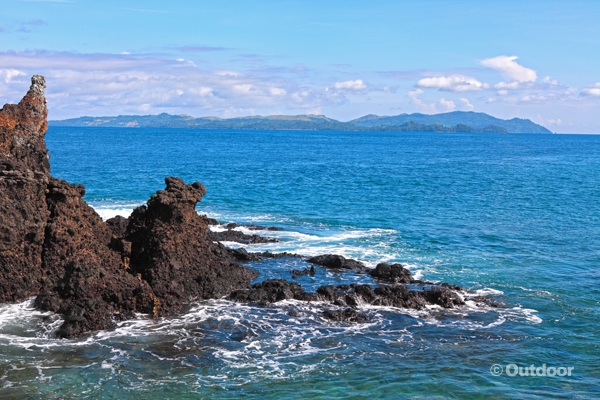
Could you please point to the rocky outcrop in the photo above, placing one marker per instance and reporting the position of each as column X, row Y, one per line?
column 231, row 235
column 354, row 295
column 394, row 273
column 23, row 183
column 337, row 262
column 171, row 250
column 53, row 245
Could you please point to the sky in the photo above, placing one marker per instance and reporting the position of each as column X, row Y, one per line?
column 344, row 59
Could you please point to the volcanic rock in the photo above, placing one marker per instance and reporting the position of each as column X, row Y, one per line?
column 354, row 295
column 231, row 235
column 118, row 225
column 171, row 249
column 391, row 273
column 53, row 245
column 334, row 261
column 23, row 179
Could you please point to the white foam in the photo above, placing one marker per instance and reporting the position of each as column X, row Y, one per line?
column 107, row 211
column 488, row 291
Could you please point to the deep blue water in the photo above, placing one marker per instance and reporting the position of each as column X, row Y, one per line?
column 514, row 216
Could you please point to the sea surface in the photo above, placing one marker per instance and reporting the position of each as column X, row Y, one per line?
column 515, row 217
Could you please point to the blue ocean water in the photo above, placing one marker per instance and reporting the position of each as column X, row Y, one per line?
column 515, row 217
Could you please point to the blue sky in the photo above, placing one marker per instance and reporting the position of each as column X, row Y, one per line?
column 527, row 59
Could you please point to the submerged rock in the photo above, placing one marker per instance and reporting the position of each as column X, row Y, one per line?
column 306, row 271
column 345, row 315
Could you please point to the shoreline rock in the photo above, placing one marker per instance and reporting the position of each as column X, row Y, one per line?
column 53, row 245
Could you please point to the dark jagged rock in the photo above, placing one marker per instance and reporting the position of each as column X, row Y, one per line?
column 391, row 273
column 272, row 291
column 212, row 221
column 233, row 225
column 24, row 168
column 88, row 279
column 118, row 225
column 22, row 129
column 268, row 254
column 334, row 261
column 231, row 235
column 56, row 247
column 23, row 216
column 171, row 249
column 306, row 271
column 242, row 254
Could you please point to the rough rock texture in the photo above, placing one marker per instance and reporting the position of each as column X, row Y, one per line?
column 172, row 252
column 86, row 279
column 118, row 225
column 334, row 261
column 55, row 246
column 23, row 179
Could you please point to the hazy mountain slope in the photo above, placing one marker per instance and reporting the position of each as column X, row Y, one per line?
column 449, row 122
column 470, row 118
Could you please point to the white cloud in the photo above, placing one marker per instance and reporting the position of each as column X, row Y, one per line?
column 508, row 86
column 539, row 98
column 350, row 85
column 592, row 90
column 453, row 83
column 550, row 81
column 447, row 105
column 510, row 69
column 111, row 84
column 11, row 73
column 467, row 104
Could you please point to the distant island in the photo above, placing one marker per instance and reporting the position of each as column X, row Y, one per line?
column 457, row 121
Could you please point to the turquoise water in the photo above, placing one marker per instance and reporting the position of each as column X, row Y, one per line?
column 516, row 217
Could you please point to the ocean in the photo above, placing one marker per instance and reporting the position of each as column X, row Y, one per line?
column 514, row 217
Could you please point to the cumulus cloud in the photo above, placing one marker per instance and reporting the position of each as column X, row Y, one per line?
column 350, row 85
column 466, row 104
column 592, row 90
column 108, row 84
column 453, row 83
column 510, row 69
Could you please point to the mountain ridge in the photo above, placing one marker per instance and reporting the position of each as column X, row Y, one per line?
column 457, row 121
